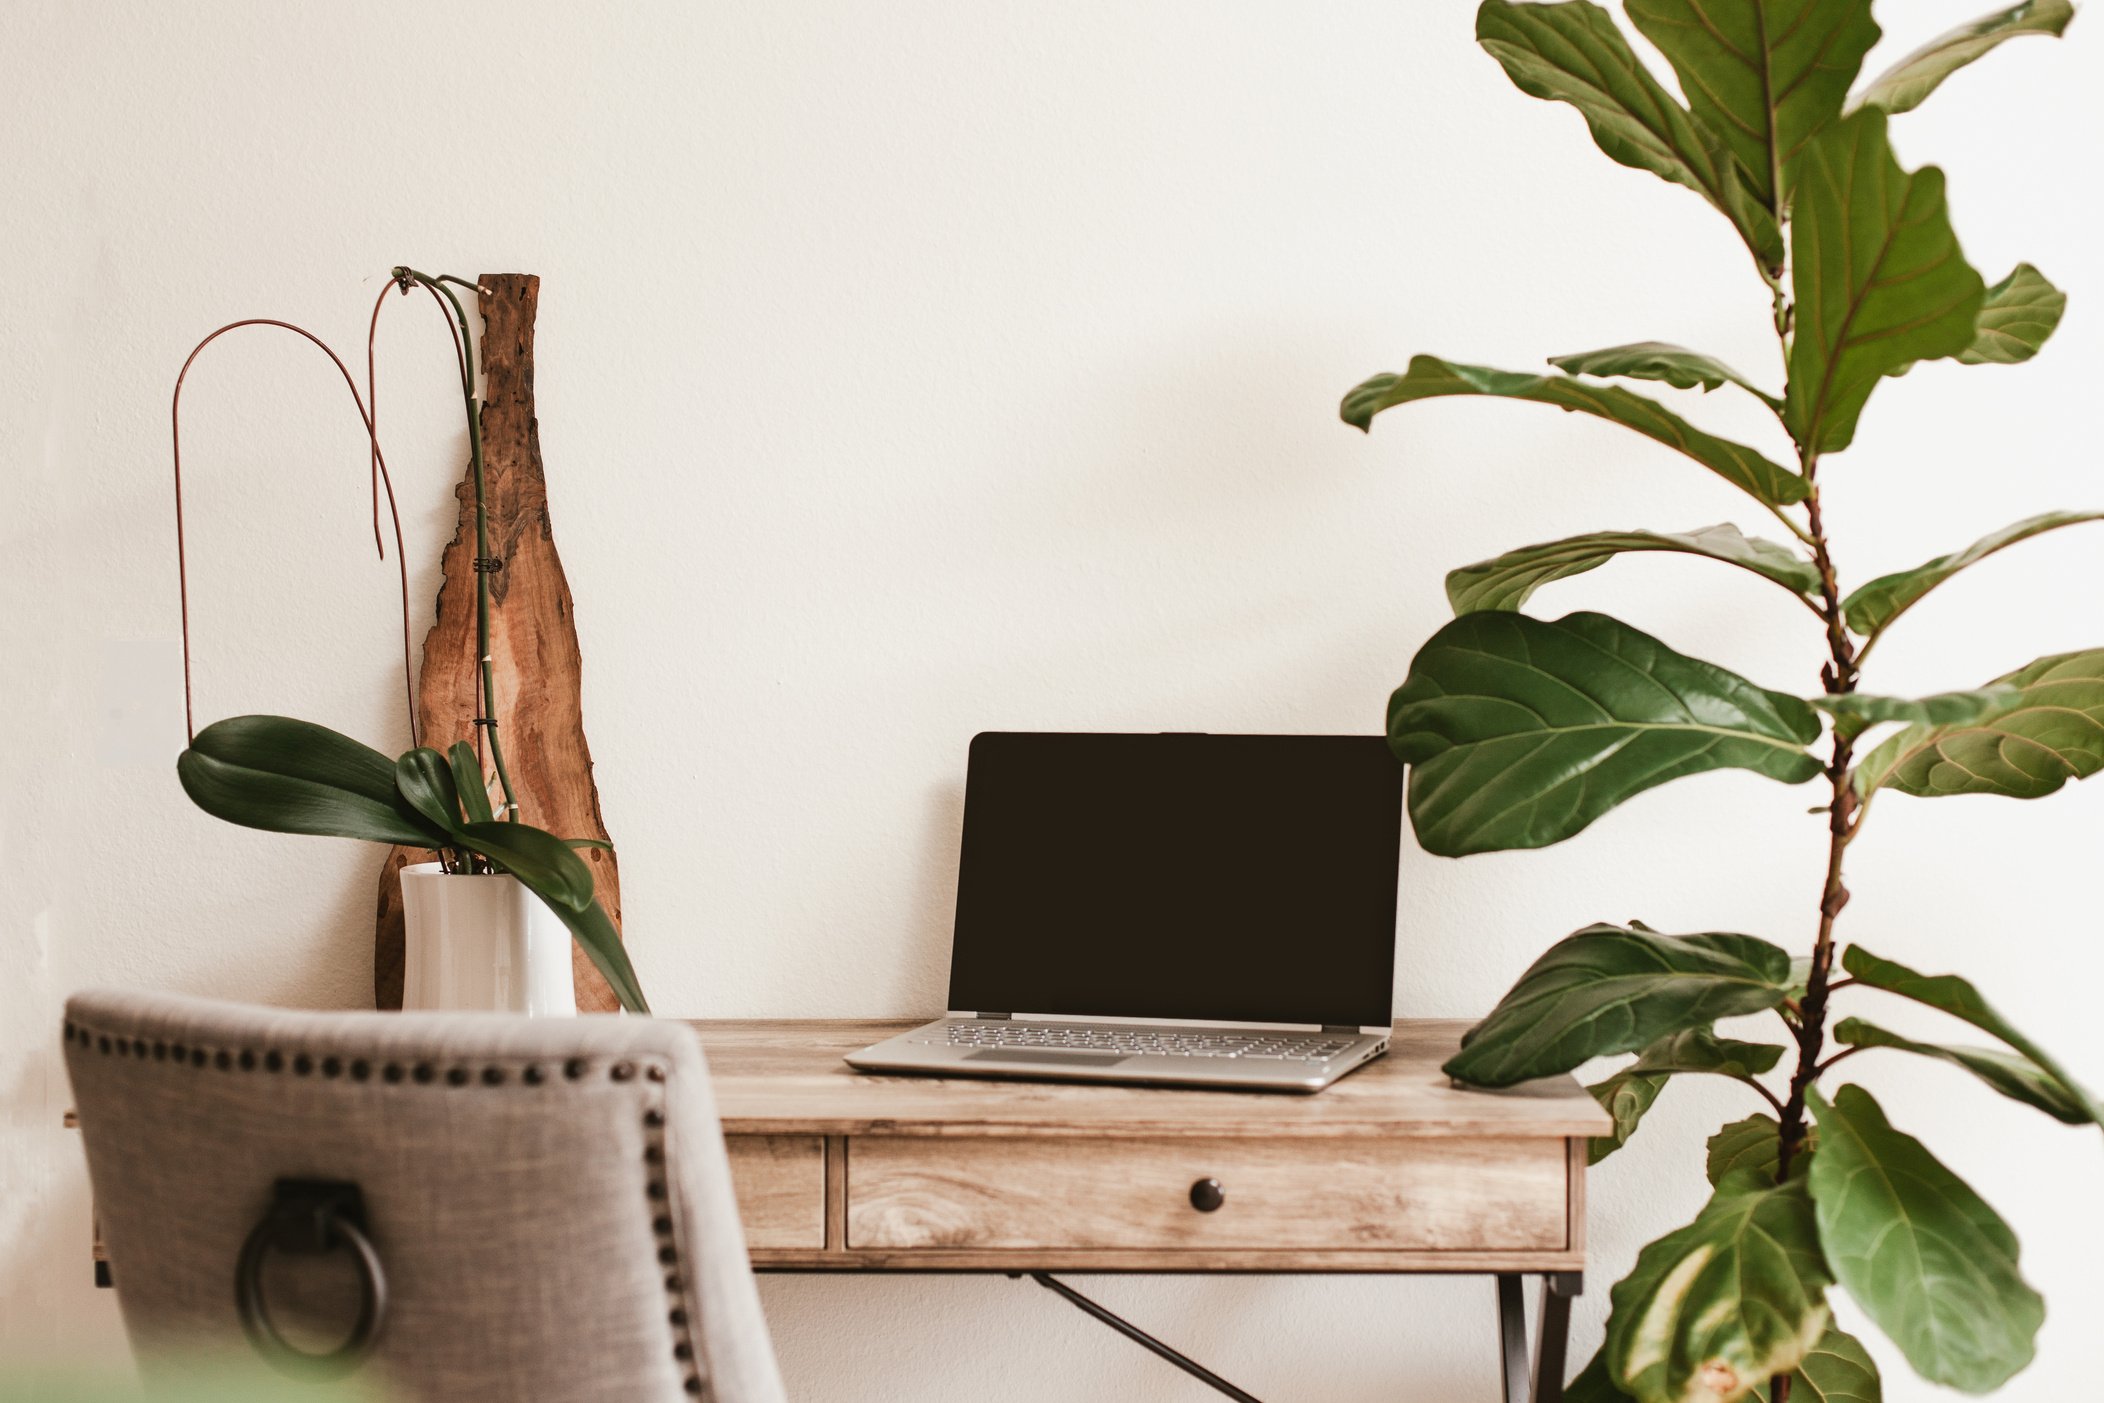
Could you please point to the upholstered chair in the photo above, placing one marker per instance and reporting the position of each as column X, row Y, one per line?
column 455, row 1207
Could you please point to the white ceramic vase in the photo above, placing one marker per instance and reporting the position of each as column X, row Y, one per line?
column 482, row 943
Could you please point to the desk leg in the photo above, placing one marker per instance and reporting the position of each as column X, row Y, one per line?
column 1543, row 1383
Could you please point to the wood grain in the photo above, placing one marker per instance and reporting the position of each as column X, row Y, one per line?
column 533, row 639
column 786, row 1077
column 781, row 1184
column 1034, row 1192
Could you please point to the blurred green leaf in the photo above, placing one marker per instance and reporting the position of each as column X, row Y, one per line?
column 1574, row 53
column 468, row 780
column 1593, row 1384
column 426, row 783
column 1765, row 75
column 602, row 944
column 285, row 803
column 1713, row 1308
column 1754, row 1143
column 1856, row 712
column 2020, row 313
column 2018, row 1078
column 1429, row 377
column 1879, row 278
column 1924, row 1255
column 1838, row 1370
column 1520, row 732
column 1958, row 997
column 1607, row 989
column 2051, row 730
column 539, row 859
column 1660, row 361
column 1626, row 1096
column 1507, row 581
column 1872, row 607
column 1902, row 87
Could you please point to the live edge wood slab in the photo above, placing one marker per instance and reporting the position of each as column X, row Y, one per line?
column 1393, row 1169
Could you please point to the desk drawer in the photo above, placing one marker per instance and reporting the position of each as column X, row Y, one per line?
column 1418, row 1194
column 781, row 1185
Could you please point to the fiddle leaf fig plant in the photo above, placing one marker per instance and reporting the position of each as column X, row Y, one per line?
column 1519, row 732
column 289, row 776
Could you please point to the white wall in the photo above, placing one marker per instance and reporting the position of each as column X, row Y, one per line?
column 913, row 369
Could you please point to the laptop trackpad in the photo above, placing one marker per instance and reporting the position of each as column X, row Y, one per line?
column 1045, row 1055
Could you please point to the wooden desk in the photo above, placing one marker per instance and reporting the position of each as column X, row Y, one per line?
column 1393, row 1169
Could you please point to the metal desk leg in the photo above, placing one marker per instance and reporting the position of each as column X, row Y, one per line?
column 1558, row 1289
column 1544, row 1382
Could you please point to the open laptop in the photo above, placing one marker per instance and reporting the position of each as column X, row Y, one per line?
column 1173, row 909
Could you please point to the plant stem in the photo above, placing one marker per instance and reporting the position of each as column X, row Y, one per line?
column 1839, row 677
column 488, row 720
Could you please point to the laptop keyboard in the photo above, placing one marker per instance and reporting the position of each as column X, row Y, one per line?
column 1290, row 1047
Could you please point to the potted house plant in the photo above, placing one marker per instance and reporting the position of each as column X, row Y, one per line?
column 488, row 921
column 1520, row 731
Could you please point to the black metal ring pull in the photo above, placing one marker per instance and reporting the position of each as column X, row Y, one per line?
column 311, row 1218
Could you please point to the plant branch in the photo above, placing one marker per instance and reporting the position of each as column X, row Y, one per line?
column 487, row 721
column 1770, row 1097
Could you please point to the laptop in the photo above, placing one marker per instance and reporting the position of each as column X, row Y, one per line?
column 1170, row 909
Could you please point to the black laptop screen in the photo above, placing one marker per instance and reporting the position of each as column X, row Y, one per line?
column 1241, row 878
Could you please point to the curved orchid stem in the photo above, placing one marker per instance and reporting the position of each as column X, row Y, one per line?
column 182, row 565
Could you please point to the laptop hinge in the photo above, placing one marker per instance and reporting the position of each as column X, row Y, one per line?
column 983, row 1014
column 1351, row 1028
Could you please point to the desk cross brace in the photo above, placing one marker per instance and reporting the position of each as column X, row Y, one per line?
column 1543, row 1384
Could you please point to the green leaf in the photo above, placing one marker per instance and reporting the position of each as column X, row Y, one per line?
column 2018, row 1078
column 1957, row 997
column 1766, row 75
column 1924, row 1256
column 597, row 844
column 1657, row 360
column 1872, row 607
column 1713, row 1308
column 1625, row 1096
column 1856, row 712
column 2049, row 732
column 1593, row 1385
column 1507, row 581
column 280, row 745
column 1429, row 377
column 602, row 944
column 467, row 778
column 2020, row 312
column 1754, row 1143
column 1902, row 87
column 1701, row 1050
column 1879, row 278
column 1573, row 52
column 537, row 858
column 1838, row 1370
column 1609, row 989
column 290, row 803
column 1520, row 732
column 426, row 782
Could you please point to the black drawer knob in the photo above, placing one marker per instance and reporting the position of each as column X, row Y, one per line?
column 1207, row 1195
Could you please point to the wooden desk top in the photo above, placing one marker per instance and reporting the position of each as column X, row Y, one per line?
column 785, row 1077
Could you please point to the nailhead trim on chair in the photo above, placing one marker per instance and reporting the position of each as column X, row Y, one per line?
column 575, row 1069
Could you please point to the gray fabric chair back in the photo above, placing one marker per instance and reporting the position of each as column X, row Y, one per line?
column 549, row 1198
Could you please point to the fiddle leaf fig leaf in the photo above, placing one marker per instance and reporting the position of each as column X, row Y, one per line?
column 2018, row 1078
column 1924, row 1255
column 1573, row 52
column 1958, row 998
column 1509, row 580
column 1429, row 377
column 2051, row 730
column 1677, row 366
column 1879, row 278
column 1735, row 1297
column 1902, row 87
column 1872, row 607
column 288, row 776
column 1856, row 712
column 1625, row 1096
column 1754, row 1143
column 1765, row 75
column 1838, row 1370
column 1520, row 732
column 2020, row 312
column 1609, row 989
column 1593, row 1384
